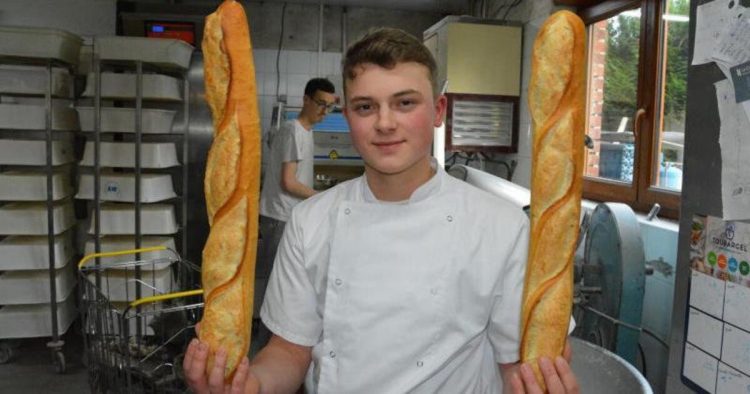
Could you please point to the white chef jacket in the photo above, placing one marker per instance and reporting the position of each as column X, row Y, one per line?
column 422, row 296
column 291, row 143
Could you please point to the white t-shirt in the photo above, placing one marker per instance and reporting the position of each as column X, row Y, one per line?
column 291, row 143
column 421, row 296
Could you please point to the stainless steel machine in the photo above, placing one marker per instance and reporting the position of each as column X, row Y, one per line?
column 610, row 271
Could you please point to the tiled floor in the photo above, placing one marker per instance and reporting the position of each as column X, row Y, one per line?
column 31, row 370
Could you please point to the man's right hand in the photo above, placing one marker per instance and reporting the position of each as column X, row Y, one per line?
column 194, row 366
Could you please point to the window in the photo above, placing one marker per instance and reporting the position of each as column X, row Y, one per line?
column 636, row 100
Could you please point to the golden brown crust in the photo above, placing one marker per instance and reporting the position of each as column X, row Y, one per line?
column 231, row 185
column 557, row 104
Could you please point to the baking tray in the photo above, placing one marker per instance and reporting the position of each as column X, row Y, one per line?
column 121, row 187
column 33, row 153
column 153, row 121
column 30, row 218
column 32, row 287
column 119, row 285
column 33, row 117
column 33, row 321
column 122, row 86
column 119, row 219
column 33, row 80
column 39, row 43
column 28, row 185
column 122, row 154
column 162, row 52
column 112, row 243
column 27, row 252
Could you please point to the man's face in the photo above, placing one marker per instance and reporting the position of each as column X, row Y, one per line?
column 318, row 106
column 392, row 115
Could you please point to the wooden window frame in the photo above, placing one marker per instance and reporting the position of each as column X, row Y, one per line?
column 640, row 195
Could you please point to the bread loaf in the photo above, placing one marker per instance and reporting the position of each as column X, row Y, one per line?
column 231, row 185
column 557, row 106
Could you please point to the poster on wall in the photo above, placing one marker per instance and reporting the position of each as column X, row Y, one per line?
column 716, row 353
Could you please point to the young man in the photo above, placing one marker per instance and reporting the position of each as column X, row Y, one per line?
column 288, row 180
column 403, row 280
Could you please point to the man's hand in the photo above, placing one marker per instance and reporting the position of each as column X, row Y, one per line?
column 558, row 377
column 194, row 366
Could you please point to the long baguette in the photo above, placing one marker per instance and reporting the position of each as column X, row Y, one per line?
column 231, row 184
column 557, row 104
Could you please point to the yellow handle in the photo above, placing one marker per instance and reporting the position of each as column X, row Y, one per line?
column 118, row 253
column 162, row 297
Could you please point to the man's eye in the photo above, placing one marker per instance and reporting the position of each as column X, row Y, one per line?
column 406, row 103
column 363, row 108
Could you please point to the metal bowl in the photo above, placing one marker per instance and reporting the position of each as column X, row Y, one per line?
column 598, row 370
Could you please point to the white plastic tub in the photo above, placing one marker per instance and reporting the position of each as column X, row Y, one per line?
column 32, row 117
column 122, row 154
column 39, row 43
column 26, row 185
column 122, row 86
column 120, row 285
column 162, row 52
column 119, row 219
column 113, row 243
column 30, row 218
column 33, row 153
column 32, row 252
column 33, row 80
column 121, row 187
column 153, row 121
column 32, row 287
column 33, row 321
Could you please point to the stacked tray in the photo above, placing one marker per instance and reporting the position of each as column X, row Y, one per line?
column 121, row 187
column 119, row 219
column 33, row 153
column 122, row 154
column 123, row 87
column 19, row 252
column 162, row 52
column 33, row 287
column 153, row 121
column 29, row 80
column 32, row 117
column 28, row 42
column 28, row 185
column 24, row 218
column 32, row 321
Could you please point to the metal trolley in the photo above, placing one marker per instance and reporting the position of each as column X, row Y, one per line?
column 138, row 315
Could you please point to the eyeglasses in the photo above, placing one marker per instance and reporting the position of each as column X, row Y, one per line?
column 322, row 104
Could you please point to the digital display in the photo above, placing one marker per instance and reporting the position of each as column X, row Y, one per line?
column 184, row 31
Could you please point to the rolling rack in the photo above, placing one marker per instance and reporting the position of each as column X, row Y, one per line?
column 136, row 88
column 38, row 123
column 137, row 345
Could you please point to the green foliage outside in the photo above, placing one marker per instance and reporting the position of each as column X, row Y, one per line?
column 621, row 73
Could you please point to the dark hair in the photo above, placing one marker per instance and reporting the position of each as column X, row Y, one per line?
column 316, row 84
column 387, row 47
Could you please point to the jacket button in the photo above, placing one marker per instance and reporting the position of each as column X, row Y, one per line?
column 347, row 211
column 332, row 354
column 420, row 364
column 449, row 218
column 338, row 282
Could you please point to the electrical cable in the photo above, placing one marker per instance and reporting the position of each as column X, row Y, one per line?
column 278, row 52
column 510, row 7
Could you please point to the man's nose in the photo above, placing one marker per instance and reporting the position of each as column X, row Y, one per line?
column 386, row 120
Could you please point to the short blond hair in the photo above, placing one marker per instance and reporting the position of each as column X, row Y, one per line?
column 386, row 47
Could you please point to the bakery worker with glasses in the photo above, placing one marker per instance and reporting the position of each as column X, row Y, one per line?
column 402, row 280
column 288, row 179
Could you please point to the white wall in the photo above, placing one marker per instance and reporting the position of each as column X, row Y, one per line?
column 82, row 17
column 295, row 69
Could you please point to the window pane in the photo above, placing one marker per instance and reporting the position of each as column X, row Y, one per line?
column 673, row 92
column 612, row 96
